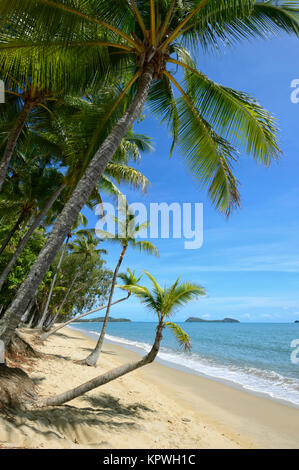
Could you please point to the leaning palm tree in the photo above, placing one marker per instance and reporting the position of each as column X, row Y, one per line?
column 128, row 231
column 29, row 97
column 33, row 191
column 32, row 93
column 27, row 189
column 147, row 38
column 128, row 278
column 163, row 302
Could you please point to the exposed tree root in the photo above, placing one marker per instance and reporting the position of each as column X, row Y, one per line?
column 16, row 388
column 20, row 349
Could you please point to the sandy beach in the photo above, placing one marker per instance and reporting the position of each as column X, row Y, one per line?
column 154, row 407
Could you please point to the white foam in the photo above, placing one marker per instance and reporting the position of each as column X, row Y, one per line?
column 260, row 381
column 250, row 378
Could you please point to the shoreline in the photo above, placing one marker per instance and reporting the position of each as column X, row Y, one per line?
column 189, row 370
column 154, row 407
column 222, row 394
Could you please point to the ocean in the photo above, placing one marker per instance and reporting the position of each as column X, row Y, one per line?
column 254, row 356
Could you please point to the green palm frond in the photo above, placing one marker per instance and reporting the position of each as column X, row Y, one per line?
column 143, row 294
column 182, row 337
column 145, row 246
column 161, row 102
column 129, row 278
column 157, row 288
column 107, row 186
column 235, row 115
column 182, row 294
column 126, row 174
column 209, row 157
column 163, row 301
column 105, row 235
column 221, row 23
column 82, row 45
column 143, row 143
column 86, row 244
column 128, row 229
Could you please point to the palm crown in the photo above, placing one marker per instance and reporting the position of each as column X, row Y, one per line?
column 86, row 243
column 206, row 119
column 128, row 229
column 128, row 278
column 165, row 301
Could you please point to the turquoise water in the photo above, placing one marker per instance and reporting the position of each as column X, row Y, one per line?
column 256, row 356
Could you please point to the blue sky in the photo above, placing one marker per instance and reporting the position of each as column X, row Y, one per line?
column 249, row 264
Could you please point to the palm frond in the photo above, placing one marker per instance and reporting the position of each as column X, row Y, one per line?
column 125, row 174
column 161, row 101
column 129, row 278
column 222, row 23
column 207, row 155
column 182, row 337
column 235, row 115
column 146, row 246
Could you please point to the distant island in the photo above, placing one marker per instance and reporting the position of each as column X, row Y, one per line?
column 296, row 321
column 198, row 320
column 101, row 319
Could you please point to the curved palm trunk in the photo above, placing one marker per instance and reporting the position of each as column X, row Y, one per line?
column 13, row 230
column 12, row 140
column 108, row 376
column 93, row 357
column 71, row 210
column 37, row 221
column 59, row 327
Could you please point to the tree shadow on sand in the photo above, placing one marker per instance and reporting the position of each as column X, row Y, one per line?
column 112, row 406
column 104, row 352
column 105, row 413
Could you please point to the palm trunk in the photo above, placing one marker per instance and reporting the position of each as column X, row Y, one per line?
column 55, row 276
column 93, row 357
column 59, row 327
column 26, row 315
column 71, row 210
column 42, row 320
column 50, row 321
column 13, row 230
column 30, row 323
column 108, row 376
column 12, row 140
column 38, row 219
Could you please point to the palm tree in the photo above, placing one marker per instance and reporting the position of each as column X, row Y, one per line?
column 35, row 223
column 26, row 190
column 32, row 191
column 29, row 99
column 71, row 138
column 128, row 279
column 84, row 245
column 148, row 37
column 84, row 133
column 163, row 302
column 34, row 93
column 128, row 231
